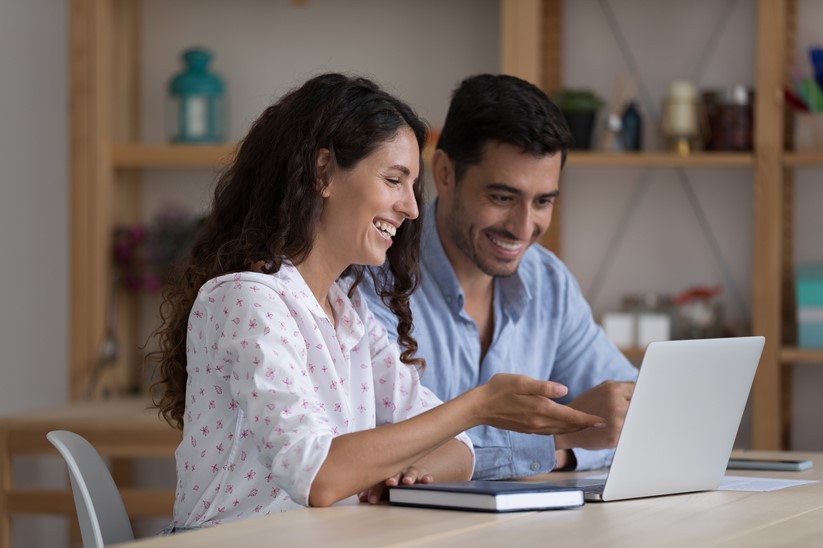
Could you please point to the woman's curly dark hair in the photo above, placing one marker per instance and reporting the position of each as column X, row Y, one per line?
column 266, row 205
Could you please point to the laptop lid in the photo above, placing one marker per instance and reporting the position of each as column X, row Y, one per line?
column 683, row 417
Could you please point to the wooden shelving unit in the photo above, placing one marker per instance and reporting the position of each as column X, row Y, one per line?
column 773, row 216
column 659, row 159
column 107, row 160
column 144, row 156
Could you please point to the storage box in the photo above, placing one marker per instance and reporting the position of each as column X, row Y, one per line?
column 808, row 132
column 620, row 328
column 809, row 289
column 809, row 284
column 653, row 327
column 810, row 327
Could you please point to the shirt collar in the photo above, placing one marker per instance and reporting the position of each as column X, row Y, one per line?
column 511, row 290
column 350, row 328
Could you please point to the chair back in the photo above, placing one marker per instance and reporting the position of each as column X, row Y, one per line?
column 100, row 509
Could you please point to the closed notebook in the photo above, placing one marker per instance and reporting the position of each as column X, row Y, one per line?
column 486, row 496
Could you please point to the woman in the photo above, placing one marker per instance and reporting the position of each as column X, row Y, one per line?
column 287, row 390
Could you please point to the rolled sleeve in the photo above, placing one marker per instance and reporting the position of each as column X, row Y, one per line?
column 593, row 460
column 500, row 454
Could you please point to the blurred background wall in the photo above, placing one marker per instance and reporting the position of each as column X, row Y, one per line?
column 419, row 50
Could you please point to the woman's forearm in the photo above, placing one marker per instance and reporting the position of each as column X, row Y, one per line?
column 452, row 461
column 358, row 460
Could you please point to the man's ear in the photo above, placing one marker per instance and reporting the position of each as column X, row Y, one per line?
column 323, row 167
column 442, row 171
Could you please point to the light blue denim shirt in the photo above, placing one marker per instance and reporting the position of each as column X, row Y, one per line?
column 543, row 328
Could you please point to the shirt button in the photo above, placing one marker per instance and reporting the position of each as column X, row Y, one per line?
column 535, row 466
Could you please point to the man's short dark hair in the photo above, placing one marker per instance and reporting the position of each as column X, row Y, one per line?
column 487, row 108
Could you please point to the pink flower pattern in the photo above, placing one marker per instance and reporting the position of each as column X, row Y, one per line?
column 271, row 383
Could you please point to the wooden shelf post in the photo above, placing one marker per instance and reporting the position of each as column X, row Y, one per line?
column 103, row 65
column 767, row 393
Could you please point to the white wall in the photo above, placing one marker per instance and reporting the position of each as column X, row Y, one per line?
column 34, row 228
column 33, row 196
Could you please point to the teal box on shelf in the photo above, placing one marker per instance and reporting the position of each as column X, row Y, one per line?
column 809, row 289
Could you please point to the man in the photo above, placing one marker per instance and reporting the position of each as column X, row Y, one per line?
column 489, row 300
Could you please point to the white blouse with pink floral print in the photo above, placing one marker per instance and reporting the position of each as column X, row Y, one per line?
column 270, row 382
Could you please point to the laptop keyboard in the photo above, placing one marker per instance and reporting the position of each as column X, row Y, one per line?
column 591, row 486
column 587, row 485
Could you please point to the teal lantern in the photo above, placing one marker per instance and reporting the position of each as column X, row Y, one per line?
column 197, row 95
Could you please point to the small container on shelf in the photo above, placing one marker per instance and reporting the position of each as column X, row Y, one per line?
column 809, row 289
column 631, row 128
column 731, row 118
column 580, row 108
column 643, row 319
column 620, row 328
column 682, row 123
column 196, row 111
column 699, row 313
column 808, row 132
column 653, row 316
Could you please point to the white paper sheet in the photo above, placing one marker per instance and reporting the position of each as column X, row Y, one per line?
column 748, row 483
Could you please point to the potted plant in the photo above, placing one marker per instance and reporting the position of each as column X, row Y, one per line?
column 580, row 107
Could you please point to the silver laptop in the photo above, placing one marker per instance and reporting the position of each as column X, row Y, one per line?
column 682, row 420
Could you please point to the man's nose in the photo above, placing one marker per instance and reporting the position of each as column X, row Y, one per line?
column 521, row 222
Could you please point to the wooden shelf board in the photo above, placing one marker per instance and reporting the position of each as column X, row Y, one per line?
column 804, row 159
column 660, row 159
column 790, row 354
column 163, row 155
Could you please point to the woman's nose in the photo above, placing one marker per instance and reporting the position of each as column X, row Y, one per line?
column 407, row 205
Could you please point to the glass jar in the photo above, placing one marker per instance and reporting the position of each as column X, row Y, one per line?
column 731, row 118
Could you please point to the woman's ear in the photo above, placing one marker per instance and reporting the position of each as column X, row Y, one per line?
column 323, row 167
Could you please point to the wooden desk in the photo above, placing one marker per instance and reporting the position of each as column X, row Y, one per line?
column 122, row 429
column 789, row 517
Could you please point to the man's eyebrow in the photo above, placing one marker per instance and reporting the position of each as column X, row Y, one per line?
column 503, row 187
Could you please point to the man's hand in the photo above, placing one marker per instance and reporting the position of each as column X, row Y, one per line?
column 522, row 404
column 609, row 400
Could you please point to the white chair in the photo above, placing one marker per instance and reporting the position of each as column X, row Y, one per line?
column 100, row 509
